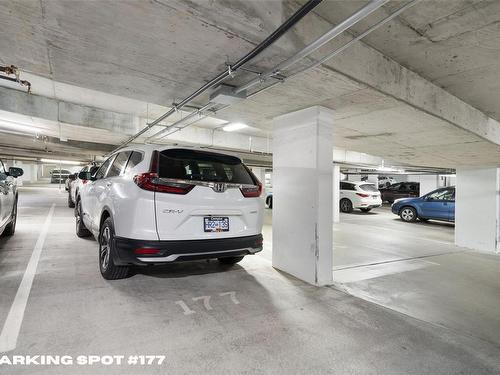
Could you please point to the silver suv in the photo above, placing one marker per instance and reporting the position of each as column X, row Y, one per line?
column 8, row 199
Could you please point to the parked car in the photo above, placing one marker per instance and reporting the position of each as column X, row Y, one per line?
column 400, row 190
column 154, row 204
column 8, row 199
column 269, row 200
column 358, row 195
column 383, row 181
column 76, row 183
column 59, row 176
column 437, row 205
column 70, row 178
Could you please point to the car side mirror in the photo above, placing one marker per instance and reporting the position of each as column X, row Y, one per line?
column 84, row 176
column 15, row 172
column 72, row 177
column 429, row 198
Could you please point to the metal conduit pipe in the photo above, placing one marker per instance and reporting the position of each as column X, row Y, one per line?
column 359, row 37
column 182, row 120
column 327, row 57
column 278, row 33
column 322, row 40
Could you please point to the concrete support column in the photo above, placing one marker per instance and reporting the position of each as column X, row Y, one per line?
column 428, row 183
column 336, row 193
column 373, row 178
column 302, row 194
column 477, row 209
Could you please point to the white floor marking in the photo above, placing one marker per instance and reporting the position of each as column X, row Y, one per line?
column 12, row 326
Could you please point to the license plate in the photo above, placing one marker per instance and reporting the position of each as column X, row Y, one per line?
column 216, row 224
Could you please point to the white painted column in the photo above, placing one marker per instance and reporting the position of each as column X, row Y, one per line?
column 428, row 183
column 302, row 194
column 336, row 193
column 373, row 178
column 477, row 209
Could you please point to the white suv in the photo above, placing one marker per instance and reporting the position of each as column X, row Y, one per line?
column 76, row 183
column 360, row 195
column 152, row 204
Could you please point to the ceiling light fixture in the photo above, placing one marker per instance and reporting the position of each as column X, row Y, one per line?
column 234, row 126
column 54, row 161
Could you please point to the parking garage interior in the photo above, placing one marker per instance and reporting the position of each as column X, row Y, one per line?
column 309, row 95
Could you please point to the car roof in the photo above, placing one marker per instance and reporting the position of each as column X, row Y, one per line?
column 150, row 147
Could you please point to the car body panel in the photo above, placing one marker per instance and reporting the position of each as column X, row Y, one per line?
column 428, row 208
column 159, row 217
column 400, row 190
column 372, row 200
column 8, row 196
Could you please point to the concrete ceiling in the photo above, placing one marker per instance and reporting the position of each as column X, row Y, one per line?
column 157, row 52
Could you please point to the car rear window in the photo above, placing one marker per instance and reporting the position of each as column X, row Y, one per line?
column 368, row 187
column 203, row 166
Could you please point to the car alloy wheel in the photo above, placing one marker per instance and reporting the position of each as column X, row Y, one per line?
column 407, row 214
column 104, row 250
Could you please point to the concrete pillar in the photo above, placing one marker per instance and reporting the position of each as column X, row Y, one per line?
column 302, row 194
column 428, row 183
column 336, row 193
column 477, row 209
column 373, row 178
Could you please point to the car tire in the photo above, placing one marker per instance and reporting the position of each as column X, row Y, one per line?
column 81, row 230
column 108, row 269
column 71, row 204
column 408, row 214
column 230, row 260
column 10, row 229
column 346, row 205
column 365, row 209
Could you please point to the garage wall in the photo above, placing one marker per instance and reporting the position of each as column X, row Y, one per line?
column 477, row 209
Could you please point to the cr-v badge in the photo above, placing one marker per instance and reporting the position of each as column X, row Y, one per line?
column 170, row 211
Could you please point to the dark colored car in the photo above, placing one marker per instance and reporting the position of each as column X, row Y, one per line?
column 437, row 205
column 400, row 190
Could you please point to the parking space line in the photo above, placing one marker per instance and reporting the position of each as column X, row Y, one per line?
column 12, row 325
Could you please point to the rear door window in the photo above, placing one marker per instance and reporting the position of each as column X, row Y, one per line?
column 102, row 171
column 134, row 159
column 197, row 165
column 347, row 186
column 119, row 163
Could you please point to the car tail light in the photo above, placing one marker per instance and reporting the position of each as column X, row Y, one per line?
column 363, row 195
column 251, row 191
column 152, row 182
column 146, row 251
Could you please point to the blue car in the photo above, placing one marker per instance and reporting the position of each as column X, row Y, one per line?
column 436, row 205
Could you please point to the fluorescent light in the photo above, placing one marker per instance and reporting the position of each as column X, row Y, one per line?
column 234, row 126
column 54, row 161
column 17, row 126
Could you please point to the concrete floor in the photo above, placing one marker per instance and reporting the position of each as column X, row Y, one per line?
column 276, row 324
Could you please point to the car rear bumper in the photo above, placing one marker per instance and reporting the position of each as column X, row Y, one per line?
column 178, row 251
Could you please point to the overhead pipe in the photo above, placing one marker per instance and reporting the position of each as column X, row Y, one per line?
column 278, row 33
column 356, row 39
column 182, row 120
column 324, row 59
column 318, row 43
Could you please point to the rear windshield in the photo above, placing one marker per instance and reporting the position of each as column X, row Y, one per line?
column 368, row 187
column 203, row 166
